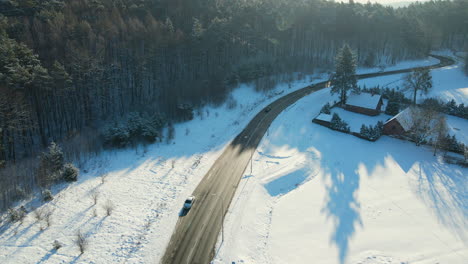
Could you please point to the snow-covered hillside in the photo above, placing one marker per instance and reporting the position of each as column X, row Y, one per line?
column 449, row 83
column 147, row 187
column 320, row 196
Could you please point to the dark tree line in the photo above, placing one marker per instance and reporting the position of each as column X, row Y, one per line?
column 68, row 66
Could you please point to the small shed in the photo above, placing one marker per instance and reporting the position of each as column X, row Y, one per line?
column 323, row 119
column 364, row 103
column 399, row 124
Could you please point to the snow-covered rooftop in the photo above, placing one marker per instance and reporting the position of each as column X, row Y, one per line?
column 405, row 118
column 324, row 117
column 364, row 100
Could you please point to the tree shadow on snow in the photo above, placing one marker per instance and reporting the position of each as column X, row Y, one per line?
column 445, row 191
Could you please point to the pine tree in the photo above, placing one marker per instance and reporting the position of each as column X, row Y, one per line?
column 326, row 109
column 344, row 77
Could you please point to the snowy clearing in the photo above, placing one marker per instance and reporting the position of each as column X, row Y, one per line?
column 317, row 195
column 147, row 187
column 448, row 83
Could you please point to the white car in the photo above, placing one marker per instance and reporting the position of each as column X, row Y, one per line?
column 189, row 202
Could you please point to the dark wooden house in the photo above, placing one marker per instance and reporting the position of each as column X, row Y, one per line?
column 364, row 103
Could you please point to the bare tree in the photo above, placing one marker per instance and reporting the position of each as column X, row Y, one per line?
column 81, row 241
column 418, row 80
column 109, row 207
column 423, row 124
column 439, row 133
column 95, row 196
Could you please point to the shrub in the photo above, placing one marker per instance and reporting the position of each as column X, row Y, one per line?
column 338, row 124
column 56, row 245
column 109, row 207
column 16, row 215
column 95, row 196
column 371, row 132
column 81, row 241
column 70, row 172
column 326, row 109
column 231, row 102
column 47, row 195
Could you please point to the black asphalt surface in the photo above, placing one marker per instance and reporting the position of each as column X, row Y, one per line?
column 196, row 232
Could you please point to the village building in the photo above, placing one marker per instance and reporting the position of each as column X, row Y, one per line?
column 364, row 103
column 399, row 124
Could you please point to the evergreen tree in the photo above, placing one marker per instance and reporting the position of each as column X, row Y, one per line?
column 326, row 109
column 344, row 78
column 50, row 165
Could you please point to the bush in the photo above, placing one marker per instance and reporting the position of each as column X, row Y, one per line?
column 47, row 195
column 338, row 124
column 70, row 172
column 326, row 109
column 81, row 241
column 133, row 127
column 109, row 207
column 371, row 132
column 57, row 245
column 16, row 215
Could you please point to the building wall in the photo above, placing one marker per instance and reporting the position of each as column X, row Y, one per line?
column 362, row 110
column 393, row 128
column 321, row 122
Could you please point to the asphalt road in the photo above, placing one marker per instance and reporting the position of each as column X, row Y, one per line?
column 195, row 234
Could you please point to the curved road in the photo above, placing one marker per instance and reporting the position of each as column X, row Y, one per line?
column 195, row 235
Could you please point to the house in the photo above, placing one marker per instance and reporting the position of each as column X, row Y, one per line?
column 323, row 119
column 364, row 103
column 401, row 123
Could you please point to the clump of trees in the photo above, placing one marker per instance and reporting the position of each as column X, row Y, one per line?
column 326, row 109
column 371, row 132
column 450, row 108
column 52, row 167
column 133, row 128
column 339, row 124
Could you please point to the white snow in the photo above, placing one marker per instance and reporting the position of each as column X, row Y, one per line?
column 458, row 127
column 364, row 100
column 320, row 196
column 355, row 120
column 324, row 117
column 448, row 83
column 148, row 187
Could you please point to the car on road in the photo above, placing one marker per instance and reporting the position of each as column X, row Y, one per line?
column 189, row 202
column 267, row 109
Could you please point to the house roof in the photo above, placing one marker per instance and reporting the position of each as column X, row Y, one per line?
column 405, row 118
column 324, row 117
column 364, row 100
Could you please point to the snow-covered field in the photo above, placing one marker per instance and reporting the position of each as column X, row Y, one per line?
column 320, row 196
column 449, row 83
column 148, row 185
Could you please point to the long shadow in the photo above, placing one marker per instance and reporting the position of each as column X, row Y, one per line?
column 343, row 208
column 47, row 256
column 446, row 193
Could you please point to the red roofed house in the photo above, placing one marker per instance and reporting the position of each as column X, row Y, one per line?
column 364, row 103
